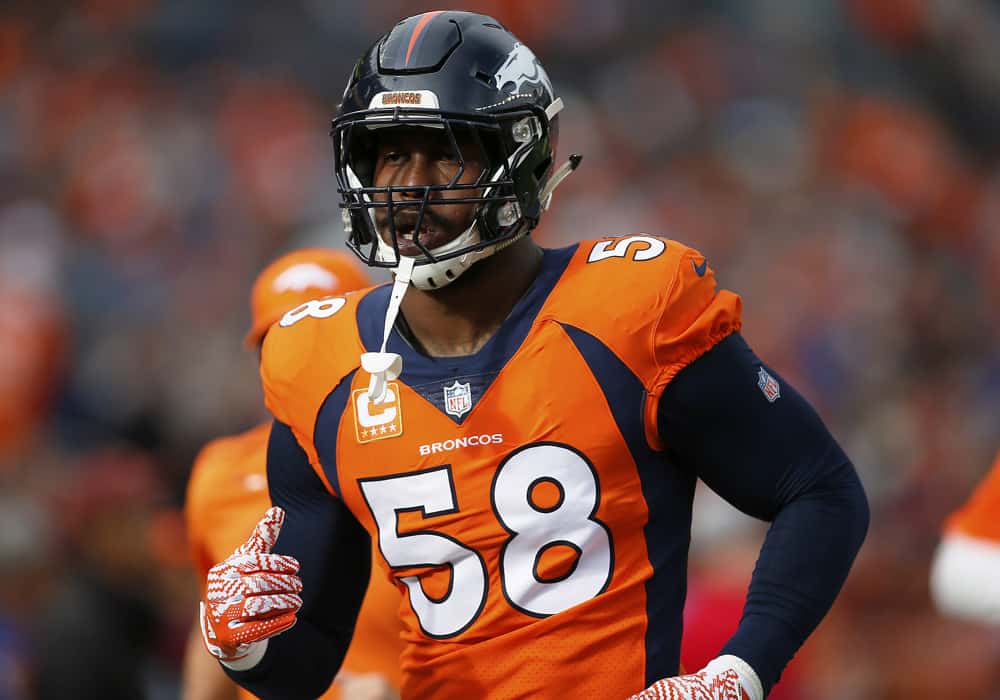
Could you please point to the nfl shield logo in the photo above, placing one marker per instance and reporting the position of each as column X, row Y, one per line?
column 768, row 385
column 457, row 399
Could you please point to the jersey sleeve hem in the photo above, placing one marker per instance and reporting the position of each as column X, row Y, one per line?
column 652, row 403
column 720, row 313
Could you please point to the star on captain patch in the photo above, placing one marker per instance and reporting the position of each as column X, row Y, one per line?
column 377, row 421
column 768, row 385
column 457, row 399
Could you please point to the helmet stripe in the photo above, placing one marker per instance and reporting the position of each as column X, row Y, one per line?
column 417, row 30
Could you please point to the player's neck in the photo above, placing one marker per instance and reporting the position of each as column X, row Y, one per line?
column 460, row 318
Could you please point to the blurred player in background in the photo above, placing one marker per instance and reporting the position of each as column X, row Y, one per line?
column 965, row 575
column 518, row 429
column 228, row 491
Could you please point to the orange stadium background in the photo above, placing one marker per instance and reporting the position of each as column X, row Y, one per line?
column 837, row 161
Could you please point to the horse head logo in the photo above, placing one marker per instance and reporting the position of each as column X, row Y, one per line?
column 522, row 68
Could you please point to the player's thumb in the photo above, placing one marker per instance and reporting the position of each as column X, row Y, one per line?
column 266, row 533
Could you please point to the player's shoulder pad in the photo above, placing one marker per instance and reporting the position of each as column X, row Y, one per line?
column 653, row 301
column 219, row 459
column 307, row 353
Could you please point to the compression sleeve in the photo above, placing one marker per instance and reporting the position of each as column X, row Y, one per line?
column 771, row 457
column 334, row 552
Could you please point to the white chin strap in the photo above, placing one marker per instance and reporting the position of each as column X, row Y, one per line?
column 434, row 275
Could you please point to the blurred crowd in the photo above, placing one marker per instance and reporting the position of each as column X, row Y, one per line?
column 836, row 160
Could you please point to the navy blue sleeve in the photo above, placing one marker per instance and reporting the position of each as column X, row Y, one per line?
column 334, row 552
column 772, row 458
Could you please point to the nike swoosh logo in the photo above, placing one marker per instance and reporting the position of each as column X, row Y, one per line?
column 700, row 269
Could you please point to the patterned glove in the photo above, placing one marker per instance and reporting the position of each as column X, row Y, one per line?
column 724, row 678
column 251, row 597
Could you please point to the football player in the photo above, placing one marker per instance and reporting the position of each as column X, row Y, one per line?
column 965, row 576
column 227, row 492
column 519, row 430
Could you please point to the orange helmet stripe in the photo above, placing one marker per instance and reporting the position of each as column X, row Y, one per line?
column 421, row 23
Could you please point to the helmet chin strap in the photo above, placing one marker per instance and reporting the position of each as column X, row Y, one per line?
column 556, row 179
column 434, row 275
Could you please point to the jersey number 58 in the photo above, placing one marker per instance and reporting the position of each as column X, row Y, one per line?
column 533, row 529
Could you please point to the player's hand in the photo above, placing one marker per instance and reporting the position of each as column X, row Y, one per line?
column 252, row 596
column 724, row 678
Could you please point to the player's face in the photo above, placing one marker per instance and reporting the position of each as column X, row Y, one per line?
column 418, row 157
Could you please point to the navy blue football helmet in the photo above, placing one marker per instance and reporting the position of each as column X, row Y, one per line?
column 465, row 74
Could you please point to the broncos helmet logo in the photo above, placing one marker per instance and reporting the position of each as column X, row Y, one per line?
column 301, row 277
column 521, row 68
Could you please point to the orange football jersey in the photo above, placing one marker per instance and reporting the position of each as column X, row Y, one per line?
column 980, row 515
column 226, row 496
column 519, row 497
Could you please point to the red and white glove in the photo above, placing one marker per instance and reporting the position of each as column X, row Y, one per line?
column 252, row 596
column 724, row 678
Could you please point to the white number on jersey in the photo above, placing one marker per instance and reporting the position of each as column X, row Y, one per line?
column 316, row 308
column 533, row 530
column 432, row 493
column 647, row 248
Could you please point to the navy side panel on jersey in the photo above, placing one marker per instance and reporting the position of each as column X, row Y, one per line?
column 327, row 427
column 668, row 494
